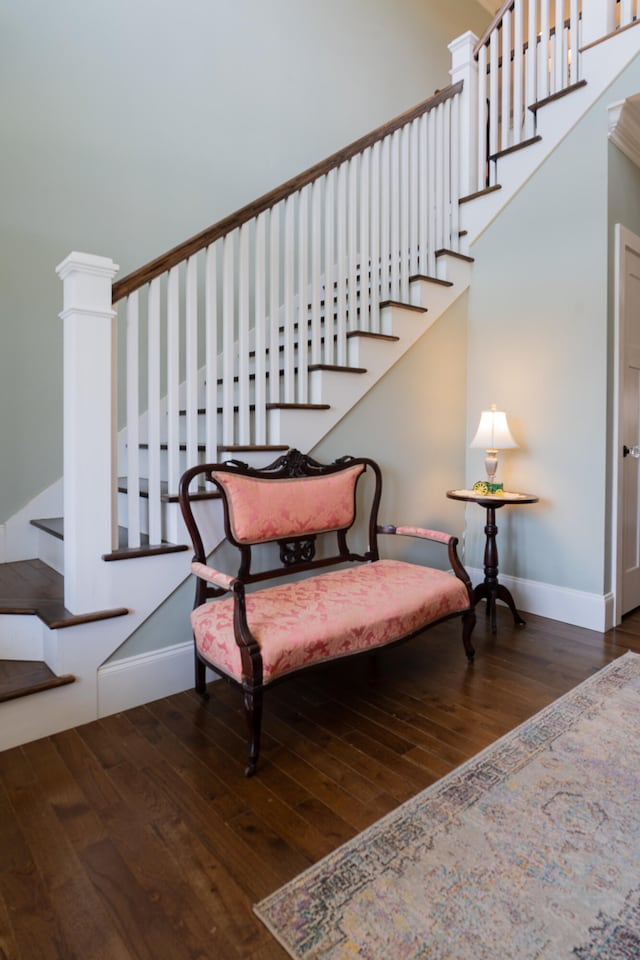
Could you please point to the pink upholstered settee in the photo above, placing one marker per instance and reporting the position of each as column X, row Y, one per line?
column 255, row 636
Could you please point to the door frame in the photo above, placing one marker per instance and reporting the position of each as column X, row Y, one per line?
column 623, row 238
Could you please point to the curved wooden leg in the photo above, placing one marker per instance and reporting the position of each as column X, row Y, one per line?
column 201, row 678
column 503, row 594
column 253, row 715
column 468, row 623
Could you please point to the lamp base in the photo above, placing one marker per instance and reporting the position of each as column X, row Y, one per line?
column 483, row 486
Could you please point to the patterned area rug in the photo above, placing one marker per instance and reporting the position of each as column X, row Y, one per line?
column 531, row 850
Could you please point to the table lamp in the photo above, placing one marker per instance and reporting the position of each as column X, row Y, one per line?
column 493, row 434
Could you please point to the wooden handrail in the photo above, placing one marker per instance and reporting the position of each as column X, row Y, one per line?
column 160, row 265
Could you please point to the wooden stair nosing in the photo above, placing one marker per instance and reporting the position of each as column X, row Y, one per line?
column 444, row 252
column 20, row 678
column 557, row 96
column 516, row 146
column 298, row 406
column 335, row 368
column 416, row 308
column 426, row 279
column 369, row 335
column 480, row 193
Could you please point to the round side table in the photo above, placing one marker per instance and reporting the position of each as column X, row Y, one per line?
column 491, row 589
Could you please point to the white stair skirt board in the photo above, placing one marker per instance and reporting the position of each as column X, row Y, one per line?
column 581, row 609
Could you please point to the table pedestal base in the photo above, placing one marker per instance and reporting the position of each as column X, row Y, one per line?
column 492, row 592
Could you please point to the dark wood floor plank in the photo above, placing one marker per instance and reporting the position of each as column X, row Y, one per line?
column 138, row 836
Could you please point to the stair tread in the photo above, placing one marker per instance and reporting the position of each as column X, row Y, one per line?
column 55, row 526
column 165, row 496
column 19, row 678
column 33, row 587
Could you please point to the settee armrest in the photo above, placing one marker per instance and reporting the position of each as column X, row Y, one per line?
column 447, row 539
column 215, row 577
column 421, row 532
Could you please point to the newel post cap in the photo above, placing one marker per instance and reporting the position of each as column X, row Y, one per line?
column 87, row 280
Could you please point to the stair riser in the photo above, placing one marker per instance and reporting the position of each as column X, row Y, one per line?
column 21, row 638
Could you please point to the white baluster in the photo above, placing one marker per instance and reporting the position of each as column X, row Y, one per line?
column 289, row 305
column 531, row 70
column 191, row 361
column 303, row 297
column 494, row 103
column 403, row 237
column 483, row 119
column 153, row 412
column 544, row 73
column 445, row 109
column 173, row 379
column 355, row 260
column 243, row 398
column 431, row 191
column 274, row 304
column 394, row 192
column 329, row 267
column 316, row 271
column 439, row 180
column 228, row 338
column 506, row 80
column 341, row 257
column 414, row 197
column 259, row 328
column 518, row 70
column 211, row 348
column 626, row 12
column 454, row 196
column 424, row 267
column 385, row 219
column 598, row 20
column 559, row 57
column 574, row 41
column 375, row 241
column 363, row 320
column 133, row 420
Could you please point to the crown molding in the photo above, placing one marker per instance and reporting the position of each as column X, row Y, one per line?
column 624, row 127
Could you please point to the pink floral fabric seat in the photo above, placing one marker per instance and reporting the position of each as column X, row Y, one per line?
column 253, row 637
column 329, row 616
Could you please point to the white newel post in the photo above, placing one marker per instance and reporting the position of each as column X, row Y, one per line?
column 89, row 398
column 598, row 20
column 465, row 67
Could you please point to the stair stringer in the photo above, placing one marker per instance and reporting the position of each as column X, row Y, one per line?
column 601, row 64
column 306, row 428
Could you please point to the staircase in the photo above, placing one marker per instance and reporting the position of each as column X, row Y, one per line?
column 262, row 332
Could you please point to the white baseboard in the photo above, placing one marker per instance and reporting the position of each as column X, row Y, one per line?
column 132, row 681
column 589, row 610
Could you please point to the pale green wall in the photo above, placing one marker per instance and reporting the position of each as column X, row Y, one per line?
column 538, row 347
column 128, row 126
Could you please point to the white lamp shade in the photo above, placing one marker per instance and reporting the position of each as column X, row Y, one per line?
column 493, row 431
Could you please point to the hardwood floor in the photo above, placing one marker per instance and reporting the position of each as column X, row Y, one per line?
column 137, row 836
